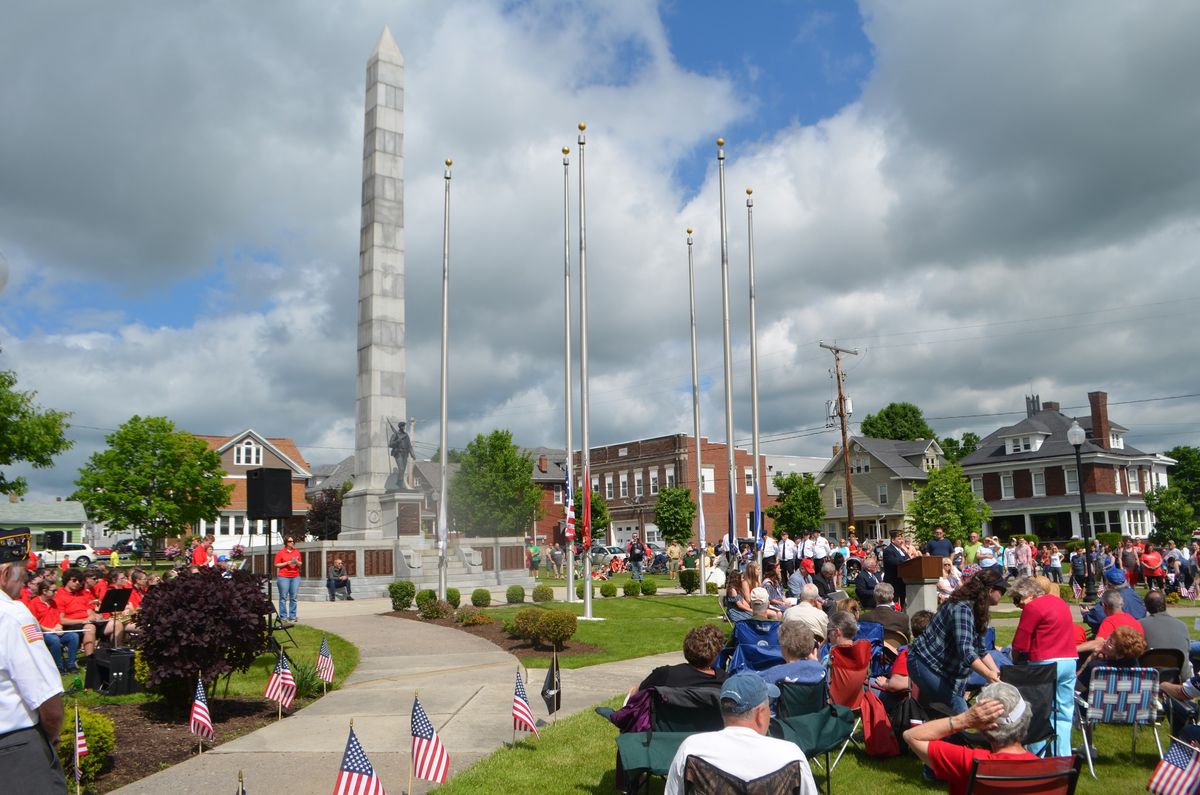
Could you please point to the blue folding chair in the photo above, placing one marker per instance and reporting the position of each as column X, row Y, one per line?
column 754, row 644
column 873, row 632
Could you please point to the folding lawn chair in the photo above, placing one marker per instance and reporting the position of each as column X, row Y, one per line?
column 849, row 669
column 805, row 717
column 675, row 714
column 1038, row 685
column 1120, row 696
column 703, row 778
column 1057, row 775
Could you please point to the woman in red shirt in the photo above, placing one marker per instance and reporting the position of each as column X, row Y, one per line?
column 75, row 606
column 287, row 568
column 1046, row 635
column 1152, row 567
column 49, row 619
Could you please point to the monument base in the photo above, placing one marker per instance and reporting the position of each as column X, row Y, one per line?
column 369, row 515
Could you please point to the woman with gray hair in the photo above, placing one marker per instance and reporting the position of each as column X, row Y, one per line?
column 1000, row 715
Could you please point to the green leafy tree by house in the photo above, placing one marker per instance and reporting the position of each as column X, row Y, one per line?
column 323, row 520
column 600, row 518
column 153, row 480
column 955, row 449
column 798, row 508
column 28, row 432
column 493, row 493
column 1174, row 517
column 901, row 421
column 1186, row 473
column 946, row 501
column 674, row 512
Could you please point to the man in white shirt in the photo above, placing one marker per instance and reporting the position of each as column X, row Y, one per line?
column 770, row 550
column 788, row 554
column 820, row 550
column 742, row 749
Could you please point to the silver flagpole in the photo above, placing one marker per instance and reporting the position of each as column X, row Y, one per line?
column 696, row 416
column 732, row 487
column 758, row 523
column 569, row 486
column 585, row 450
column 443, row 530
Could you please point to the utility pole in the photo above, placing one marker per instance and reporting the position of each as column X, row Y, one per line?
column 837, row 368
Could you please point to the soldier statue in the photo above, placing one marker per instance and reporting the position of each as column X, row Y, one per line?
column 400, row 446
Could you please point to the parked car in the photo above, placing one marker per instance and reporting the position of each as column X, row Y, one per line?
column 657, row 547
column 601, row 555
column 77, row 554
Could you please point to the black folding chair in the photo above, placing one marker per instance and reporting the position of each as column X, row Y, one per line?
column 1038, row 685
column 702, row 778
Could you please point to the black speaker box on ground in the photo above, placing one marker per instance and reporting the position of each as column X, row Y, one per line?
column 110, row 671
column 268, row 493
column 53, row 539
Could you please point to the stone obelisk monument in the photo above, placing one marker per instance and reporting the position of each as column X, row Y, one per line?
column 369, row 511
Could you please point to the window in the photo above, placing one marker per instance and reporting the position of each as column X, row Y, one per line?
column 671, row 477
column 1136, row 520
column 624, row 451
column 624, row 484
column 558, row 497
column 838, row 498
column 1039, row 483
column 637, row 484
column 977, row 487
column 608, row 487
column 860, row 463
column 708, row 481
column 654, row 482
column 247, row 454
column 1134, row 475
column 1020, row 444
column 596, row 485
column 1072, row 475
column 749, row 474
column 930, row 463
column 1116, row 441
column 1006, row 486
column 883, row 494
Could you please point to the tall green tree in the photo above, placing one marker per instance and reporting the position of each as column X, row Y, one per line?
column 1174, row 517
column 28, row 432
column 493, row 492
column 323, row 520
column 946, row 501
column 674, row 512
column 1186, row 473
column 153, row 480
column 799, row 508
column 902, row 421
column 600, row 518
column 955, row 449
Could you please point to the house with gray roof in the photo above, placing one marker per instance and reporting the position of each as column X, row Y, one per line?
column 1026, row 474
column 68, row 516
column 884, row 476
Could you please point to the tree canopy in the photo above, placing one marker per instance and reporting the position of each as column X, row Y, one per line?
column 799, row 508
column 600, row 517
column 493, row 492
column 946, row 501
column 901, row 421
column 152, row 479
column 1174, row 517
column 1186, row 473
column 955, row 449
column 28, row 432
column 674, row 512
column 323, row 520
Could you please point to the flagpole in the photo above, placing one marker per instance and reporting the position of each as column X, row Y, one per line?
column 758, row 528
column 696, row 417
column 558, row 694
column 199, row 737
column 514, row 739
column 410, row 755
column 241, row 784
column 584, row 455
column 443, row 529
column 75, row 733
column 567, row 404
column 732, row 474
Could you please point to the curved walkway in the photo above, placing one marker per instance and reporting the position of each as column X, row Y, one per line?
column 465, row 684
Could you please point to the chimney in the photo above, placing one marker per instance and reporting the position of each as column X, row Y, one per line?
column 1033, row 404
column 1100, row 431
column 1051, row 405
column 543, row 464
column 837, row 448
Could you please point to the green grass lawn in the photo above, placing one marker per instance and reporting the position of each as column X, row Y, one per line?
column 577, row 755
column 632, row 627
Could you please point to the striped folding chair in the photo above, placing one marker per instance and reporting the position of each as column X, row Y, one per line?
column 1120, row 696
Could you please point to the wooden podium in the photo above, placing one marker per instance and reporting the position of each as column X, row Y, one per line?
column 920, row 577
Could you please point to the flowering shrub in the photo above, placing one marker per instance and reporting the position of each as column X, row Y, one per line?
column 238, row 552
column 172, row 551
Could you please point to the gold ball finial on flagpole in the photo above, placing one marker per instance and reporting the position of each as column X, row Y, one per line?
column 690, row 230
column 449, row 162
column 720, row 142
column 582, row 126
column 566, row 151
column 749, row 191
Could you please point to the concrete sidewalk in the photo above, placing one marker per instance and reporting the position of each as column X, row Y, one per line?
column 465, row 684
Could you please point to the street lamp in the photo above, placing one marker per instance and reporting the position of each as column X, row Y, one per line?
column 1076, row 437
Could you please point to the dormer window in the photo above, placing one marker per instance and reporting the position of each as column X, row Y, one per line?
column 1022, row 444
column 248, row 454
column 1116, row 441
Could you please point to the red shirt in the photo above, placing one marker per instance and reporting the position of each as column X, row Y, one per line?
column 900, row 666
column 290, row 556
column 1119, row 620
column 1080, row 634
column 74, row 606
column 47, row 615
column 1152, row 564
column 135, row 598
column 200, row 555
column 953, row 763
column 1045, row 630
column 99, row 589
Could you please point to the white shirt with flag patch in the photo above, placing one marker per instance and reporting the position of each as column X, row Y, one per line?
column 28, row 675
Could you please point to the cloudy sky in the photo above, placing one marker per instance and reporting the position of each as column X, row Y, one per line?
column 985, row 199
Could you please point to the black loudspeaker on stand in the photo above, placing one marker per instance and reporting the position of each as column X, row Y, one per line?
column 110, row 671
column 269, row 496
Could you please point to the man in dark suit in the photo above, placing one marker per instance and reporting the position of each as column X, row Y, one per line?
column 865, row 583
column 885, row 613
column 893, row 556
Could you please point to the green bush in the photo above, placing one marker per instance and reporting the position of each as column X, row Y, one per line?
column 101, row 739
column 438, row 608
column 711, row 588
column 481, row 597
column 1030, row 537
column 608, row 590
column 308, row 683
column 454, row 596
column 1066, row 593
column 556, row 627
column 1111, row 540
column 477, row 619
column 462, row 614
column 543, row 593
column 689, row 580
column 402, row 593
column 649, row 587
column 425, row 596
column 526, row 623
column 579, row 589
column 633, row 588
column 515, row 594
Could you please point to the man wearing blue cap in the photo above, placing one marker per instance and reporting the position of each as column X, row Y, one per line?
column 1132, row 603
column 742, row 750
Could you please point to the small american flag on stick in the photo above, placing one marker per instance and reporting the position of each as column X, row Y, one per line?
column 81, row 749
column 201, row 722
column 281, row 686
column 356, row 776
column 522, row 714
column 429, row 757
column 325, row 662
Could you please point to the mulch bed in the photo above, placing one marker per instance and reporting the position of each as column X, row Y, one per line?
column 151, row 737
column 494, row 633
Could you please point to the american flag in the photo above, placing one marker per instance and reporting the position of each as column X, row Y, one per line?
column 33, row 633
column 1178, row 773
column 325, row 662
column 430, row 760
column 356, row 776
column 569, row 500
column 522, row 714
column 281, row 686
column 201, row 722
column 81, row 749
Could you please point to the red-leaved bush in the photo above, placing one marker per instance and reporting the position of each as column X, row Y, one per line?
column 201, row 623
